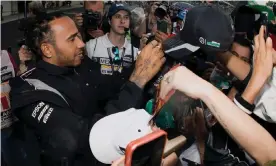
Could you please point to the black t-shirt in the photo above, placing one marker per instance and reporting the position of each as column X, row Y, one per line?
column 221, row 149
column 135, row 40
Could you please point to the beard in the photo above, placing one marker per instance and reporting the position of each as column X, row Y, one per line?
column 67, row 60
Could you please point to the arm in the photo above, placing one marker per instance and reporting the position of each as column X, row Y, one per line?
column 252, row 137
column 253, row 88
column 241, row 127
column 147, row 65
column 263, row 64
column 170, row 160
column 65, row 131
column 171, row 148
column 129, row 96
column 236, row 66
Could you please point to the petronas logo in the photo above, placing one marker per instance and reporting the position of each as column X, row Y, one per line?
column 213, row 44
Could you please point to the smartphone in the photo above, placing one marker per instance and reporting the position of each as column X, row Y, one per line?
column 264, row 22
column 162, row 26
column 146, row 151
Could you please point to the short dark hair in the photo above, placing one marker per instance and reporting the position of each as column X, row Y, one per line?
column 183, row 113
column 241, row 40
column 39, row 32
column 182, row 108
column 36, row 7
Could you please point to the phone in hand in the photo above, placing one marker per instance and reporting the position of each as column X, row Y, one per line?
column 146, row 151
column 162, row 26
column 264, row 22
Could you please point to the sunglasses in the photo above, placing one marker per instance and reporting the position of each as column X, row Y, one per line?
column 117, row 58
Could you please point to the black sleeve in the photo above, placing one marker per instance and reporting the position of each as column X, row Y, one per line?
column 241, row 85
column 65, row 133
column 130, row 96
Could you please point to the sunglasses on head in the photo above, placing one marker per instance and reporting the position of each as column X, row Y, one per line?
column 115, row 51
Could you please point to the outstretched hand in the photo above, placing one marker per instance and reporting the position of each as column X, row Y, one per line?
column 184, row 80
column 148, row 63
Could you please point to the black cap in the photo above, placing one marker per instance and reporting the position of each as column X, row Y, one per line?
column 206, row 28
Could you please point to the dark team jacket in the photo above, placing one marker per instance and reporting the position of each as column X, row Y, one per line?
column 62, row 115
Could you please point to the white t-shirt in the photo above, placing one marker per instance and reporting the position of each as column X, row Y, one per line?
column 100, row 50
column 265, row 102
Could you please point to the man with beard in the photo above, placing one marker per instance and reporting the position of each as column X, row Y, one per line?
column 54, row 101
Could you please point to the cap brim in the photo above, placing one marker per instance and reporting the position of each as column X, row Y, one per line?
column 115, row 131
column 177, row 48
column 119, row 9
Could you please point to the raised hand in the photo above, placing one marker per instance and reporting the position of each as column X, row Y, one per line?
column 263, row 56
column 184, row 80
column 160, row 36
column 262, row 67
column 148, row 63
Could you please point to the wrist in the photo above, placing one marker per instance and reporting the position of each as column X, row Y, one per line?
column 252, row 90
column 207, row 91
column 139, row 81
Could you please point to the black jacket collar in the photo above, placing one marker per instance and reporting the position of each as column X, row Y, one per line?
column 53, row 69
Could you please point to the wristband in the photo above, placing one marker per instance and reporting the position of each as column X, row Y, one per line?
column 243, row 104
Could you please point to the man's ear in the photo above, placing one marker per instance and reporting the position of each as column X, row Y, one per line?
column 47, row 50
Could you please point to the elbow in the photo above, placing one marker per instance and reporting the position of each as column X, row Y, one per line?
column 63, row 142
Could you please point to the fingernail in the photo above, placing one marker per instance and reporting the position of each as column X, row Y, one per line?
column 269, row 40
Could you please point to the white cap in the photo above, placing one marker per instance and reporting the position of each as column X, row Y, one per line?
column 110, row 136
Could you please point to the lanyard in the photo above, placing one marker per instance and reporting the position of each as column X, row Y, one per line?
column 111, row 60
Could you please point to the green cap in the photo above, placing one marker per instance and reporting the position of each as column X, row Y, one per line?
column 164, row 119
column 263, row 8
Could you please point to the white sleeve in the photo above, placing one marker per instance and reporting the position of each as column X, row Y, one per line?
column 90, row 47
column 266, row 103
column 270, row 108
